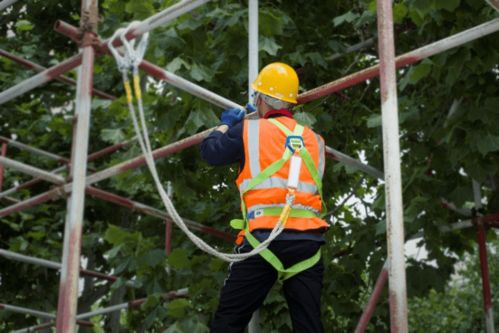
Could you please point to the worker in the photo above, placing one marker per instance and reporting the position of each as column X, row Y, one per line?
column 256, row 144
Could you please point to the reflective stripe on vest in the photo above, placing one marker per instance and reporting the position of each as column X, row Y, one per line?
column 279, row 183
column 254, row 147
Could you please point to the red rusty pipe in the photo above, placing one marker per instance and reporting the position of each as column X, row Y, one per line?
column 373, row 299
column 484, row 268
column 61, row 78
column 402, row 60
column 490, row 218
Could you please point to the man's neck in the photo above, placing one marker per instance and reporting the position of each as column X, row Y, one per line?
column 278, row 113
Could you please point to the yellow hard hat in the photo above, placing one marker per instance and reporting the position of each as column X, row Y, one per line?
column 278, row 80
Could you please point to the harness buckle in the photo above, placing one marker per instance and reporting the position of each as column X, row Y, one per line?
column 294, row 143
column 255, row 214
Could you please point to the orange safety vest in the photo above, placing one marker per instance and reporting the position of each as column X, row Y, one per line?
column 264, row 143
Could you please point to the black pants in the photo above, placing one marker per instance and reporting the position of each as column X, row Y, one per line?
column 250, row 280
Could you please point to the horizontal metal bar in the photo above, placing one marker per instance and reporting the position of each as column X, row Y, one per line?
column 402, row 60
column 62, row 78
column 184, row 292
column 98, row 154
column 450, row 205
column 165, row 16
column 31, row 170
column 28, row 184
column 456, row 226
column 6, row 3
column 353, row 48
column 39, row 79
column 490, row 218
column 18, row 309
column 33, row 150
column 55, row 265
column 350, row 161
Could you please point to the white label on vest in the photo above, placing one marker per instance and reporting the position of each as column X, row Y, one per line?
column 294, row 171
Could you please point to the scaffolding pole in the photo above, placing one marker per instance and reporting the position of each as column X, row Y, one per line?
column 33, row 150
column 36, row 313
column 484, row 267
column 391, row 157
column 403, row 60
column 39, row 79
column 30, row 170
column 98, row 154
column 68, row 288
column 3, row 153
column 55, row 265
column 373, row 300
column 62, row 78
column 254, row 323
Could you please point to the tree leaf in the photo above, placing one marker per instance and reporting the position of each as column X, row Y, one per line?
column 347, row 17
column 112, row 135
column 178, row 307
column 268, row 45
column 23, row 25
column 178, row 259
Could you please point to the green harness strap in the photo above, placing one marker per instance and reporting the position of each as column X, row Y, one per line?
column 271, row 258
column 307, row 159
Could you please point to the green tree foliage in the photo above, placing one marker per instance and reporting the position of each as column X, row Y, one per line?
column 443, row 148
column 459, row 307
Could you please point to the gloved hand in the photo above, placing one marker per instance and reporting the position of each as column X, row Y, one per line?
column 231, row 116
column 250, row 107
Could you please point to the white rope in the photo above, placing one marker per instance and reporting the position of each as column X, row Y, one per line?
column 132, row 59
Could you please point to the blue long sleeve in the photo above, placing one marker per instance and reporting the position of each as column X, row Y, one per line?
column 224, row 148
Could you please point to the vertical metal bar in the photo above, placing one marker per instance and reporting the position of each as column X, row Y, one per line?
column 484, row 268
column 68, row 289
column 391, row 154
column 253, row 326
column 3, row 153
column 373, row 299
column 252, row 45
